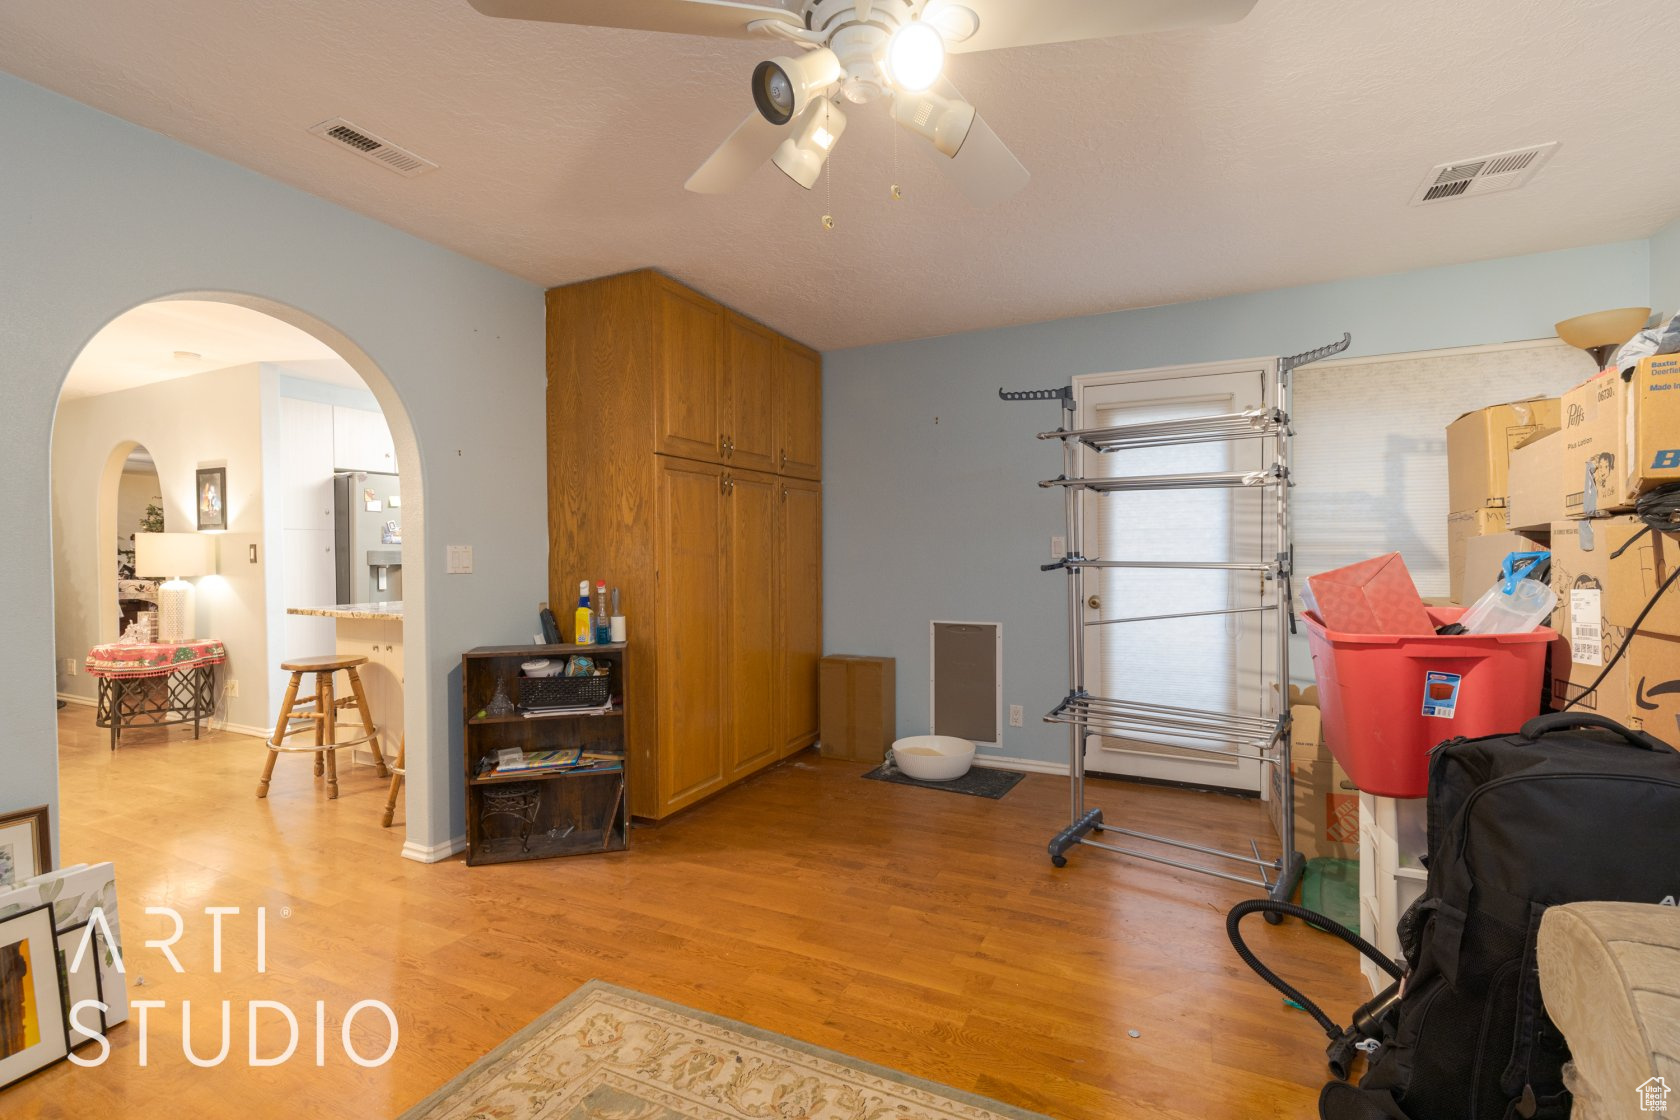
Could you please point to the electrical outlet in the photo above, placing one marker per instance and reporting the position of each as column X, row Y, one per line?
column 69, row 666
column 458, row 560
column 1058, row 547
column 233, row 690
column 1015, row 715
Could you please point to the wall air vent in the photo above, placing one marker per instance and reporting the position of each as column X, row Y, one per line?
column 1502, row 171
column 371, row 147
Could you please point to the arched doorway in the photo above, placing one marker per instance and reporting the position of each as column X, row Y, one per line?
column 251, row 552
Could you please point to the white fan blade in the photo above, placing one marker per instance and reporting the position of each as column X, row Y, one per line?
column 723, row 18
column 984, row 168
column 1012, row 23
column 752, row 143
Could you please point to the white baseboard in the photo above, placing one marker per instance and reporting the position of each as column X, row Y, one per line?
column 1029, row 765
column 421, row 853
column 72, row 698
column 241, row 729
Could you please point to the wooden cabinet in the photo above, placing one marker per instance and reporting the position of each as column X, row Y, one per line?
column 680, row 499
column 691, row 644
column 799, row 411
column 798, row 613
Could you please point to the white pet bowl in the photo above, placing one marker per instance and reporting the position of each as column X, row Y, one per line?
column 934, row 758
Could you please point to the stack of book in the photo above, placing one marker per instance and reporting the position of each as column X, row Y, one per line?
column 574, row 759
column 538, row 711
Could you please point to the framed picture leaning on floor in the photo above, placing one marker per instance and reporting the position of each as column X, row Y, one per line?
column 33, row 1034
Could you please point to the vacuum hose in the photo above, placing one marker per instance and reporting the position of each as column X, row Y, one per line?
column 1367, row 1020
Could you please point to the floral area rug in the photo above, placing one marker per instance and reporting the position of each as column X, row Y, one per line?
column 607, row 1053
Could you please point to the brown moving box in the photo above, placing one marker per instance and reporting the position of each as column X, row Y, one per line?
column 1479, row 446
column 1595, row 447
column 1461, row 527
column 857, row 704
column 1642, row 690
column 1536, row 498
column 1326, row 801
column 1653, row 423
column 1484, row 558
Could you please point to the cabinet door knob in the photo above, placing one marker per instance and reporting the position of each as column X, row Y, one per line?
column 784, row 456
column 723, row 445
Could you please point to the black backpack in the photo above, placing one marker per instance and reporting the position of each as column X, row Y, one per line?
column 1574, row 808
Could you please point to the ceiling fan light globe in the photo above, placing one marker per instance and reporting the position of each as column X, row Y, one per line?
column 915, row 57
column 943, row 121
column 801, row 156
column 783, row 87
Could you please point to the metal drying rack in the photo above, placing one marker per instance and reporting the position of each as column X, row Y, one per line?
column 1229, row 734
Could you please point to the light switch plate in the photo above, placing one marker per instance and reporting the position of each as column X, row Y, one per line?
column 459, row 560
column 1058, row 547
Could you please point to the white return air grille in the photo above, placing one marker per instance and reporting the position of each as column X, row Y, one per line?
column 371, row 147
column 1502, row 171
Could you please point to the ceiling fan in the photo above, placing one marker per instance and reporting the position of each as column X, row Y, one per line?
column 860, row 51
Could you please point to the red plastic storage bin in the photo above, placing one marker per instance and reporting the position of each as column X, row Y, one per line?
column 1387, row 699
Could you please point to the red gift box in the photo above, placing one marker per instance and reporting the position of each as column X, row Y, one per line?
column 1375, row 596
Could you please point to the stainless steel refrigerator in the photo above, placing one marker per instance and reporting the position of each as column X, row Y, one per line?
column 367, row 509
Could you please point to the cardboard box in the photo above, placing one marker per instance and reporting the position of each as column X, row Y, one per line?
column 1326, row 801
column 857, row 707
column 1536, row 498
column 1461, row 527
column 1479, row 446
column 1586, row 642
column 1652, row 423
column 1484, row 558
column 1375, row 596
column 1636, row 575
column 1592, row 458
column 1653, row 676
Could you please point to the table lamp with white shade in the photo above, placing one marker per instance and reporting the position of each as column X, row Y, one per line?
column 180, row 557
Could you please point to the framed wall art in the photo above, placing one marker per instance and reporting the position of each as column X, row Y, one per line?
column 210, row 498
column 25, row 845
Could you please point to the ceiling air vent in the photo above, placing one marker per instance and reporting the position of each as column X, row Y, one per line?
column 368, row 146
column 1502, row 171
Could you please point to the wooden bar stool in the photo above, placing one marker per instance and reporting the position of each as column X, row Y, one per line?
column 322, row 718
column 399, row 771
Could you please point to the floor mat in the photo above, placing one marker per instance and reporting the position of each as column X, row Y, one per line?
column 978, row 782
column 1331, row 887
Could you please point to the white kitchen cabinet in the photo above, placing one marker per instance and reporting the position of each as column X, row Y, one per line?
column 362, row 441
column 306, row 447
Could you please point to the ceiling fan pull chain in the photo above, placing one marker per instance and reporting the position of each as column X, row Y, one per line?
column 828, row 187
column 895, row 192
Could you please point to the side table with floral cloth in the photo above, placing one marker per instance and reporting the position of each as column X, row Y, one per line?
column 155, row 683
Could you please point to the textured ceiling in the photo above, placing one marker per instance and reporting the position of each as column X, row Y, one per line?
column 139, row 347
column 1281, row 150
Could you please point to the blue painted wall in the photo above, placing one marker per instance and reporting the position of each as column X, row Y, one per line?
column 1665, row 270
column 931, row 507
column 97, row 216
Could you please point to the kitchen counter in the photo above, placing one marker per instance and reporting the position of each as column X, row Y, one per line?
column 373, row 631
column 370, row 612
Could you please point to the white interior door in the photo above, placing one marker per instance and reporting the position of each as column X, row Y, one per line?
column 1213, row 662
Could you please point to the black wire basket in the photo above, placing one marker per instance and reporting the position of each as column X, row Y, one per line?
column 564, row 692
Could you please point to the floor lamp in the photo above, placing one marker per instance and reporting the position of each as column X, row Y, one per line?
column 1602, row 333
column 179, row 556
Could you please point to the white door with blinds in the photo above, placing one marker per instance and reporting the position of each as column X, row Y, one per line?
column 1212, row 661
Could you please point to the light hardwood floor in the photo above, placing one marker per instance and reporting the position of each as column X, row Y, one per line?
column 920, row 930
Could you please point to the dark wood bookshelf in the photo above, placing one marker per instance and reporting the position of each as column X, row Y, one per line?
column 547, row 813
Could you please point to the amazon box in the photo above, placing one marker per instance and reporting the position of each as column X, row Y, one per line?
column 1375, row 596
column 1592, row 459
column 1479, row 446
column 1586, row 642
column 1461, row 529
column 1653, row 423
